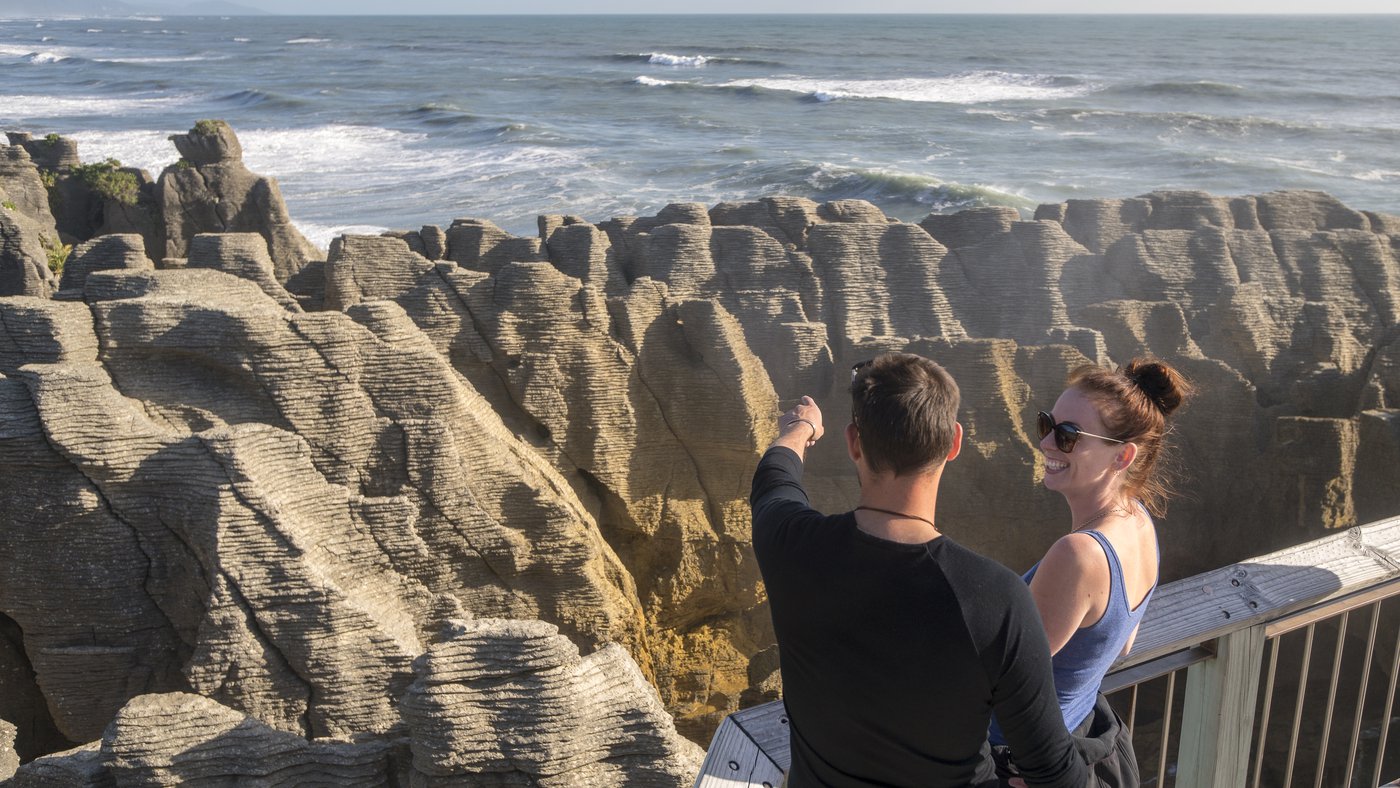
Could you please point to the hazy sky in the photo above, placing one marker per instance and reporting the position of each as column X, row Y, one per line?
column 817, row 6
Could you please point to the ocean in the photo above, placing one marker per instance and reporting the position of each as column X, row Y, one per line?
column 394, row 122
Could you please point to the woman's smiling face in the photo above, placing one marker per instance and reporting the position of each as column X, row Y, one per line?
column 1091, row 463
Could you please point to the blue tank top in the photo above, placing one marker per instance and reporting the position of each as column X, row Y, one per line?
column 1080, row 666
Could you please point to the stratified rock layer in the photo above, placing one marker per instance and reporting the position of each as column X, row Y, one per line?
column 273, row 484
column 511, row 703
column 210, row 190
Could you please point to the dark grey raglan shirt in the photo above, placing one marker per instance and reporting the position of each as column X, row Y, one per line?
column 895, row 655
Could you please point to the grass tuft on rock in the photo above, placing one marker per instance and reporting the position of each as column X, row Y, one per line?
column 9, row 206
column 57, row 252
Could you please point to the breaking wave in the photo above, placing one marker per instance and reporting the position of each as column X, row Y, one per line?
column 971, row 88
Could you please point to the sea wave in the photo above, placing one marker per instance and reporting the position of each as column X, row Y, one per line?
column 652, row 82
column 31, row 107
column 307, row 41
column 242, row 40
column 667, row 59
column 149, row 150
column 322, row 234
column 44, row 57
column 259, row 98
column 970, row 88
column 434, row 114
column 1197, row 89
column 897, row 191
column 165, row 59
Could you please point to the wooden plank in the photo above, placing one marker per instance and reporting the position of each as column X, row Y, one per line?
column 734, row 760
column 767, row 726
column 1206, row 606
column 1217, row 723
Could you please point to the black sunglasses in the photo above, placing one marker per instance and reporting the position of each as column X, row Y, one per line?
column 1067, row 434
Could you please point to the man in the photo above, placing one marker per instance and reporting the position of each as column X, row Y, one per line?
column 896, row 643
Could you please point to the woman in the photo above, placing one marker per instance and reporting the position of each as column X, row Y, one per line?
column 1101, row 444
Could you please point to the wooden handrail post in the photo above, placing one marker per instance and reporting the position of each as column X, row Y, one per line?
column 1218, row 717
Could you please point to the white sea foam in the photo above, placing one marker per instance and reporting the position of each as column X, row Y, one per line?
column 94, row 30
column 1376, row 176
column 185, row 59
column 46, row 38
column 39, row 107
column 44, row 57
column 152, row 151
column 651, row 82
column 667, row 59
column 322, row 234
column 242, row 40
column 307, row 41
column 970, row 88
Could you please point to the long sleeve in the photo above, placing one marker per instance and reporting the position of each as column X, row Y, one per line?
column 1023, row 696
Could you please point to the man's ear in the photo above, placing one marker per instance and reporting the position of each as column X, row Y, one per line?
column 1125, row 457
column 853, row 442
column 957, row 442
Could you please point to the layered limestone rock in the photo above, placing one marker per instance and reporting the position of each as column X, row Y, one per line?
column 288, row 479
column 92, row 200
column 271, row 503
column 22, row 185
column 511, row 703
column 650, row 405
column 24, row 253
column 108, row 252
column 210, row 190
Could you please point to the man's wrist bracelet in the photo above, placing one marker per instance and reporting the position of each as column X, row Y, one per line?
column 808, row 423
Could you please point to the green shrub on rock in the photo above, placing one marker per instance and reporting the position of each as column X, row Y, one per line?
column 107, row 179
column 51, row 139
column 9, row 206
column 208, row 128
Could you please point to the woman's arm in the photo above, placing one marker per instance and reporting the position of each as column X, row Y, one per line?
column 1070, row 587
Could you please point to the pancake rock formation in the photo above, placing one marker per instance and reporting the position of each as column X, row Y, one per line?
column 455, row 506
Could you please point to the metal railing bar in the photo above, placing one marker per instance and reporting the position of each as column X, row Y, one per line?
column 1298, row 708
column 1166, row 731
column 1156, row 668
column 1361, row 696
column 1332, row 697
column 1274, row 646
column 1389, row 705
column 1329, row 609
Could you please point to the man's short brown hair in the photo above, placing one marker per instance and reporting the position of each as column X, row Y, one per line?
column 905, row 408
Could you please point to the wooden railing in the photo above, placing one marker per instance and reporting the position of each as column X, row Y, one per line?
column 1236, row 633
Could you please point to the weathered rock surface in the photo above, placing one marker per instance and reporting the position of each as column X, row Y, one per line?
column 104, row 253
column 9, row 757
column 272, row 483
column 210, row 190
column 511, row 703
column 24, row 261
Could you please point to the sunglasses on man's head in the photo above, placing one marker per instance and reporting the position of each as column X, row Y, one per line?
column 1067, row 434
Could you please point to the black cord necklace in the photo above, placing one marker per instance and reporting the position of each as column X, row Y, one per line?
column 897, row 514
